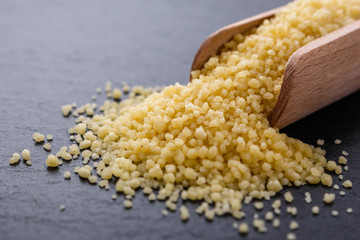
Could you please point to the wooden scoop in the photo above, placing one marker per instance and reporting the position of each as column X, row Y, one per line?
column 319, row 73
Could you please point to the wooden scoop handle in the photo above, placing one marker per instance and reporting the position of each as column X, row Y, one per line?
column 319, row 73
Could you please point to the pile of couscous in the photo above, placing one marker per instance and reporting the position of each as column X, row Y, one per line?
column 210, row 140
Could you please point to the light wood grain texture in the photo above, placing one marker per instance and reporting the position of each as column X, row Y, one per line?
column 321, row 72
column 316, row 75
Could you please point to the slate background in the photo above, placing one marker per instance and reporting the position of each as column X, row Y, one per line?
column 57, row 52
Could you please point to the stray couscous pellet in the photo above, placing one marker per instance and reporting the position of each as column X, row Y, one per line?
column 92, row 179
column 329, row 197
column 26, row 154
column 258, row 205
column 342, row 160
column 117, row 93
column 49, row 137
column 184, row 213
column 52, row 161
column 290, row 236
column 66, row 110
column 291, row 210
column 334, row 213
column 84, row 172
column 269, row 216
column 315, row 210
column 320, row 142
column 47, row 146
column 276, row 223
column 15, row 158
column 294, row 225
column 347, row 184
column 243, row 228
column 308, row 198
column 127, row 203
column 288, row 197
column 38, row 137
column 164, row 212
column 259, row 225
column 67, row 175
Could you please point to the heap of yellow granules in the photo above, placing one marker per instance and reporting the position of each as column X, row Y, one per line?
column 210, row 140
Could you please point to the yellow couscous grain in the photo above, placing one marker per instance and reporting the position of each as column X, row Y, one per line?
column 15, row 158
column 329, row 197
column 47, row 146
column 347, row 184
column 243, row 228
column 52, row 161
column 315, row 210
column 26, row 154
column 38, row 137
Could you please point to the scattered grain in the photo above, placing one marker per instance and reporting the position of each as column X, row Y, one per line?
column 329, row 197
column 66, row 110
column 308, row 197
column 184, row 213
column 347, row 184
column 52, row 161
column 269, row 216
column 259, row 205
column 127, row 203
column 288, row 197
column 342, row 160
column 259, row 225
column 164, row 212
column 291, row 210
column 315, row 210
column 276, row 223
column 293, row 225
column 92, row 179
column 335, row 213
column 49, row 137
column 243, row 228
column 290, row 236
column 15, row 158
column 47, row 146
column 62, row 207
column 38, row 137
column 67, row 175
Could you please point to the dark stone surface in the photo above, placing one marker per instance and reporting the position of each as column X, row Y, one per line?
column 57, row 52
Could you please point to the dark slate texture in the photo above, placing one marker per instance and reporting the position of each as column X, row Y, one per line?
column 57, row 52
